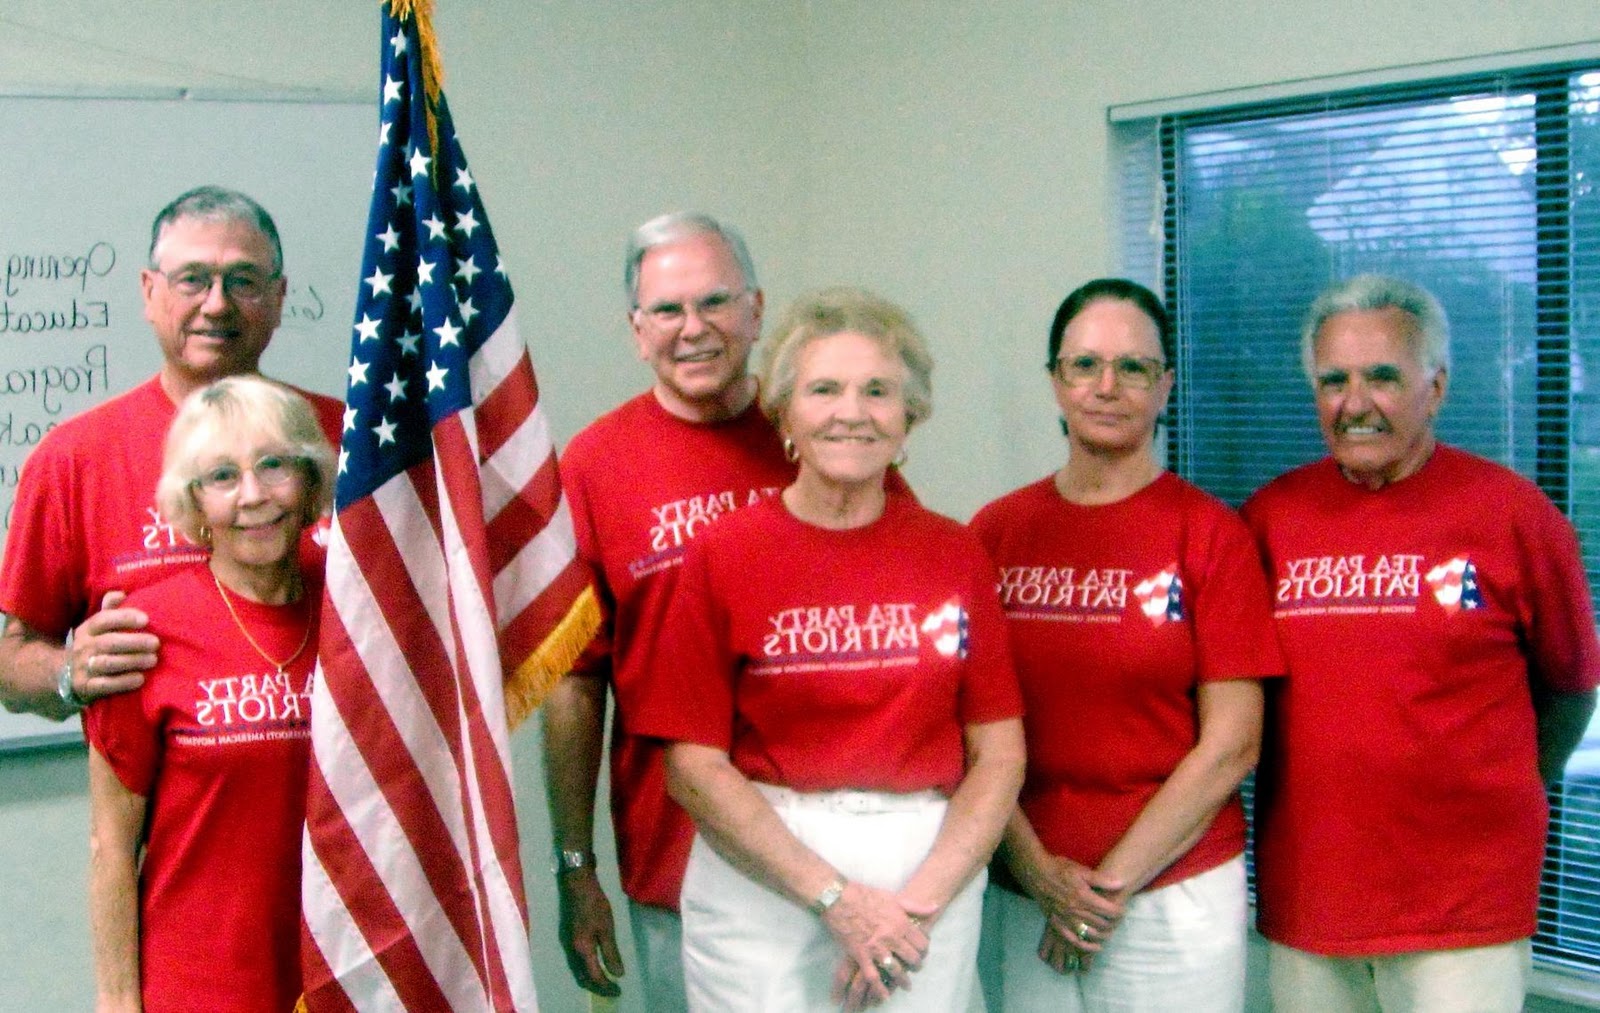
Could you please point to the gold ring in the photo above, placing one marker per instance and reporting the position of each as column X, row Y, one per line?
column 1083, row 931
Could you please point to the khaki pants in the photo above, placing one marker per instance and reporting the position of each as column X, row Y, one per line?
column 1484, row 979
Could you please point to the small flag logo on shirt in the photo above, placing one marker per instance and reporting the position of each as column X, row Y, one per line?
column 1161, row 596
column 1455, row 585
column 947, row 625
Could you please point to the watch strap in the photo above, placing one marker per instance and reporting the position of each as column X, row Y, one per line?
column 829, row 896
column 66, row 690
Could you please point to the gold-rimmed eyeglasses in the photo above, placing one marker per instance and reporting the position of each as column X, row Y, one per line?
column 270, row 470
column 1135, row 371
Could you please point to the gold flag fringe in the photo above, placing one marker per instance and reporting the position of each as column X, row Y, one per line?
column 432, row 66
column 537, row 676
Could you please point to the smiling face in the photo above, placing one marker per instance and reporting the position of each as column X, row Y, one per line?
column 1376, row 402
column 211, row 334
column 695, row 324
column 847, row 415
column 1106, row 413
column 255, row 527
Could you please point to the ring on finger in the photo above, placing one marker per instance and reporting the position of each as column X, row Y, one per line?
column 889, row 964
column 1083, row 931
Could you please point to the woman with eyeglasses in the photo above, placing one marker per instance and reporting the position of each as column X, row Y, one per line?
column 197, row 780
column 1141, row 629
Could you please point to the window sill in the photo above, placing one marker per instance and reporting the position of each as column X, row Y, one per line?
column 1573, row 990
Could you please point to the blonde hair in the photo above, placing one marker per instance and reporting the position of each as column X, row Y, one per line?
column 835, row 311
column 230, row 409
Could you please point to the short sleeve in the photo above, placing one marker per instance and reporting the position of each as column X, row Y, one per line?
column 1234, row 633
column 119, row 729
column 1558, row 613
column 596, row 656
column 989, row 688
column 688, row 694
column 45, row 569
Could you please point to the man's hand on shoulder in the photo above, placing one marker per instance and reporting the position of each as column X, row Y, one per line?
column 110, row 653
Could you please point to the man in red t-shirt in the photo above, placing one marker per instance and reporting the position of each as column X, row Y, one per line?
column 85, row 530
column 1435, row 617
column 642, row 481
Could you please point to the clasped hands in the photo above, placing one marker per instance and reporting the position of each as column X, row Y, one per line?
column 1082, row 907
column 884, row 937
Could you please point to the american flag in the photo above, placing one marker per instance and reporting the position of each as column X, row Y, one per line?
column 453, row 593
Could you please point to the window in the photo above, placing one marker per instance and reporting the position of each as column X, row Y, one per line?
column 1481, row 188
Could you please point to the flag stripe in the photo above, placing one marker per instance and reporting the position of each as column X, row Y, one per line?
column 451, row 568
column 418, row 866
column 346, row 882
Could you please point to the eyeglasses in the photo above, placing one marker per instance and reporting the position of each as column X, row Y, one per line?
column 271, row 471
column 716, row 308
column 1131, row 371
column 241, row 284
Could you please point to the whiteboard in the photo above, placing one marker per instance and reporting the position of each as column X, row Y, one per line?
column 81, row 177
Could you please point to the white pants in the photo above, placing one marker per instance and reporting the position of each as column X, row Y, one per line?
column 1482, row 979
column 747, row 948
column 1181, row 947
column 658, row 941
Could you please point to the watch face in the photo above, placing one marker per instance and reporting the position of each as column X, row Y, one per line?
column 568, row 861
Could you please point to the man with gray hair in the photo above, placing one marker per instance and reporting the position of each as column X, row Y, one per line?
column 85, row 530
column 1433, row 609
column 641, row 481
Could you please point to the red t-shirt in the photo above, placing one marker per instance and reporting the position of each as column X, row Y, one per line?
column 641, row 483
column 219, row 745
column 84, row 521
column 825, row 659
column 1399, row 805
column 1117, row 613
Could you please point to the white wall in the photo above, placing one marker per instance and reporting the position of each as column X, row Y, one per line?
column 951, row 155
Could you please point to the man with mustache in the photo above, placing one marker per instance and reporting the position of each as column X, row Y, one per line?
column 84, row 529
column 1433, row 609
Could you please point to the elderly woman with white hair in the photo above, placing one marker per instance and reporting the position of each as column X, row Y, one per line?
column 197, row 780
column 839, row 700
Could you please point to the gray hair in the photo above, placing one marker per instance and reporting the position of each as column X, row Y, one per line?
column 232, row 408
column 217, row 204
column 675, row 227
column 835, row 311
column 1376, row 292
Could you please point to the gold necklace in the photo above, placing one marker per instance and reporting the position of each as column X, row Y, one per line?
column 279, row 665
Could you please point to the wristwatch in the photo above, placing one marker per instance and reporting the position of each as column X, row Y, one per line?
column 66, row 691
column 828, row 897
column 568, row 860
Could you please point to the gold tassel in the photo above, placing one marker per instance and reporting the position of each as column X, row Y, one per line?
column 536, row 677
column 432, row 66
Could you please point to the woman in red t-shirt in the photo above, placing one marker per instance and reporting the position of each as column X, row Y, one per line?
column 838, row 696
column 1141, row 627
column 197, row 780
